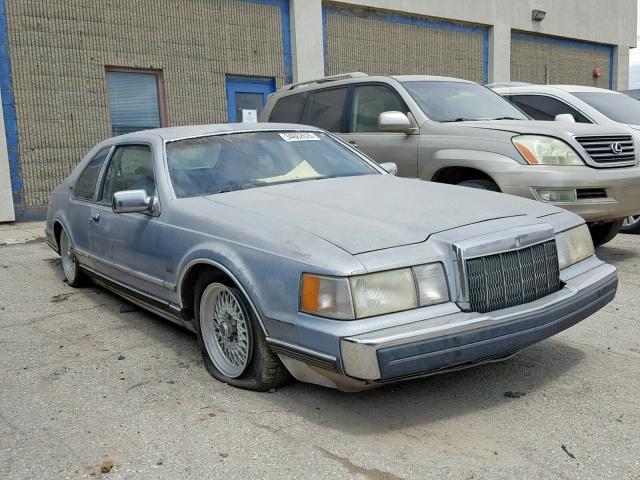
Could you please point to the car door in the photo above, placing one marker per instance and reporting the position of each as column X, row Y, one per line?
column 81, row 204
column 129, row 245
column 366, row 103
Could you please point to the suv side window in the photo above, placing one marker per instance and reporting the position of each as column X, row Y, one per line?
column 85, row 187
column 131, row 168
column 288, row 109
column 369, row 101
column 326, row 109
column 541, row 107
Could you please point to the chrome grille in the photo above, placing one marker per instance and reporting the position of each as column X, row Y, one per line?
column 512, row 278
column 609, row 150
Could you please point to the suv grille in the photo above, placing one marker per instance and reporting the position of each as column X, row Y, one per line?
column 609, row 150
column 512, row 278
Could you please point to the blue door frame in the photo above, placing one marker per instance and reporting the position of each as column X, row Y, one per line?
column 234, row 85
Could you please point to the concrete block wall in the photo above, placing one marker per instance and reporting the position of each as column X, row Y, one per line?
column 537, row 59
column 382, row 43
column 59, row 50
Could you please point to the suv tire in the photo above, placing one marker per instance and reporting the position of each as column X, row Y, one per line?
column 631, row 224
column 602, row 233
column 480, row 184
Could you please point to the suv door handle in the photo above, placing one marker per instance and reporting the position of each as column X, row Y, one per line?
column 95, row 217
column 354, row 144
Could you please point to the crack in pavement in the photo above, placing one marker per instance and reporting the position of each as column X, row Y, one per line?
column 370, row 473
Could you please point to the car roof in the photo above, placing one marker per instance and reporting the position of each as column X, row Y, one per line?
column 175, row 133
column 551, row 88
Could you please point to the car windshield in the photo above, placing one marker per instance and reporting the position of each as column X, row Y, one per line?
column 460, row 101
column 617, row 106
column 236, row 161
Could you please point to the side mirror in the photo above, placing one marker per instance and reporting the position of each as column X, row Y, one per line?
column 394, row 122
column 390, row 167
column 565, row 117
column 131, row 201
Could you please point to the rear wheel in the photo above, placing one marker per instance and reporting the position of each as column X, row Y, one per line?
column 602, row 233
column 232, row 342
column 72, row 272
column 481, row 184
column 631, row 224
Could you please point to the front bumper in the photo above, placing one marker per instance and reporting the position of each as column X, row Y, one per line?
column 622, row 187
column 463, row 339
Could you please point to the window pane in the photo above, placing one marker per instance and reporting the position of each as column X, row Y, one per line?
column 288, row 109
column 85, row 186
column 369, row 102
column 327, row 108
column 131, row 168
column 133, row 101
column 540, row 107
column 617, row 106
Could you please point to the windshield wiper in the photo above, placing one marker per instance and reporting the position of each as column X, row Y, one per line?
column 462, row 119
column 507, row 118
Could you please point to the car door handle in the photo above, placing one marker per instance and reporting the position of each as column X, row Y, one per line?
column 354, row 144
column 95, row 217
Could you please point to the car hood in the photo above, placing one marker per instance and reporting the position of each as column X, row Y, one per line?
column 374, row 212
column 536, row 127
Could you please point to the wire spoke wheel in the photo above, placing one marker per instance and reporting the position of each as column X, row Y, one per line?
column 225, row 330
column 69, row 262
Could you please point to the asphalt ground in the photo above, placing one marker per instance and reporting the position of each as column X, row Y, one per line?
column 92, row 387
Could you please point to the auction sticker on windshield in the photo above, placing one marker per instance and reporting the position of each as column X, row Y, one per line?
column 298, row 136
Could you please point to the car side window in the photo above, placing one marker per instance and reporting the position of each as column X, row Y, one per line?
column 288, row 109
column 326, row 109
column 368, row 102
column 542, row 107
column 85, row 187
column 131, row 168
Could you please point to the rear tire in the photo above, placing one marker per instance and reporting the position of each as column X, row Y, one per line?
column 72, row 272
column 480, row 184
column 631, row 224
column 232, row 343
column 602, row 233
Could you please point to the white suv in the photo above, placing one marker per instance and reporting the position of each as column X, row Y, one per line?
column 579, row 104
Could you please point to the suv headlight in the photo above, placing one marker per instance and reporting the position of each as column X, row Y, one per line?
column 574, row 246
column 373, row 294
column 541, row 150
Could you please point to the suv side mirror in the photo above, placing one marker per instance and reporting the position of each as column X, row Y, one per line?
column 390, row 167
column 565, row 117
column 131, row 201
column 394, row 122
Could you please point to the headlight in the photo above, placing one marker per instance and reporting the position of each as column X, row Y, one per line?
column 373, row 294
column 574, row 245
column 541, row 150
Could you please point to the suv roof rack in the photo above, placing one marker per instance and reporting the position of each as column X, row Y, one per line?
column 330, row 78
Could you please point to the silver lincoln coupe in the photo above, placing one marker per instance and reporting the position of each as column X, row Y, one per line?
column 290, row 253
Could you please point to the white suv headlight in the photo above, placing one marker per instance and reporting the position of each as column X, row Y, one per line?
column 373, row 294
column 541, row 150
column 574, row 246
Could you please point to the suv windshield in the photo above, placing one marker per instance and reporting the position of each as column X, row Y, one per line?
column 222, row 163
column 617, row 106
column 458, row 101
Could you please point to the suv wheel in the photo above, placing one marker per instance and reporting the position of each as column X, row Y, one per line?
column 602, row 233
column 481, row 184
column 231, row 340
column 631, row 224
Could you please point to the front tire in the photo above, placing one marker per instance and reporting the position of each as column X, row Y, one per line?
column 74, row 276
column 480, row 184
column 631, row 224
column 231, row 340
column 602, row 233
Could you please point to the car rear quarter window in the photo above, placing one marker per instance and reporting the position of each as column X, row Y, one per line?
column 542, row 107
column 288, row 109
column 85, row 186
column 326, row 109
